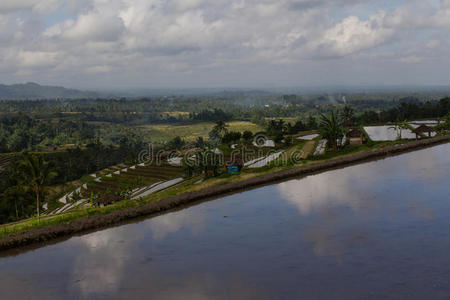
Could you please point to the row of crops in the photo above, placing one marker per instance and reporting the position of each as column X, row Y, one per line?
column 132, row 178
column 5, row 160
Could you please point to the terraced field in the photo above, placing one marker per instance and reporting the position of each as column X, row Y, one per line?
column 132, row 178
column 5, row 160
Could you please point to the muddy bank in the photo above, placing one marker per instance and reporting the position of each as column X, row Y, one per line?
column 86, row 224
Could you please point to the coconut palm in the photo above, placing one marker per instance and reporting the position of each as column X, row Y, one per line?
column 218, row 131
column 38, row 175
column 399, row 126
column 275, row 127
column 348, row 115
column 331, row 128
column 221, row 128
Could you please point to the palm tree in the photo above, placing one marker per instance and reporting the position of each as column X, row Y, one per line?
column 221, row 127
column 200, row 142
column 219, row 130
column 331, row 128
column 399, row 125
column 277, row 127
column 38, row 175
column 348, row 115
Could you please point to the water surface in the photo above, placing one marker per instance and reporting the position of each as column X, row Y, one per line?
column 388, row 133
column 371, row 231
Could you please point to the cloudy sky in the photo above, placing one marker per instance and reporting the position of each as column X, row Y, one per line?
column 224, row 43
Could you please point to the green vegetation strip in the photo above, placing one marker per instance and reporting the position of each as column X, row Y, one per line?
column 64, row 225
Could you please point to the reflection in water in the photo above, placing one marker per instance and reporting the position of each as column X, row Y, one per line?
column 170, row 223
column 377, row 230
column 99, row 267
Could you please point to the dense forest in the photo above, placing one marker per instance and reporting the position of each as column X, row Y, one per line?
column 44, row 125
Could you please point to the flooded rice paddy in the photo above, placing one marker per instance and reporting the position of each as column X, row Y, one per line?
column 388, row 133
column 379, row 230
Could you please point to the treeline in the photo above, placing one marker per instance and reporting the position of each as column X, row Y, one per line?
column 164, row 109
column 406, row 111
column 211, row 115
column 20, row 132
column 17, row 201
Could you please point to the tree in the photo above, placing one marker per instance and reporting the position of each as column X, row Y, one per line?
column 445, row 125
column 219, row 130
column 206, row 162
column 444, row 106
column 221, row 127
column 247, row 135
column 369, row 117
column 398, row 127
column 200, row 143
column 298, row 126
column 311, row 123
column 38, row 175
column 176, row 143
column 231, row 137
column 348, row 115
column 275, row 127
column 331, row 128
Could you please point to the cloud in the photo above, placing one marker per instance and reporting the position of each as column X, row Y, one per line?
column 353, row 35
column 195, row 36
column 41, row 6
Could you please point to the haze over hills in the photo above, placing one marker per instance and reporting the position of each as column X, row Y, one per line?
column 35, row 91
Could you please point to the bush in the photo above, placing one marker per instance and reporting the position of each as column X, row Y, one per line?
column 231, row 137
column 247, row 136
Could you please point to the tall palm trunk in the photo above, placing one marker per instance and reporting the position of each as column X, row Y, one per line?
column 17, row 212
column 38, row 209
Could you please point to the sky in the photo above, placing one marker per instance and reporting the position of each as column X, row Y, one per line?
column 126, row 44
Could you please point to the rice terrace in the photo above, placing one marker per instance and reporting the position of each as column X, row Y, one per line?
column 290, row 149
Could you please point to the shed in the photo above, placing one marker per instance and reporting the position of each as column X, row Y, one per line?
column 235, row 165
column 423, row 129
column 355, row 136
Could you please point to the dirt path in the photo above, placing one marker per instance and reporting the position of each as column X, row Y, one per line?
column 308, row 148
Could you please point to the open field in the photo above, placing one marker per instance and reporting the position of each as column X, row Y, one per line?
column 189, row 132
column 290, row 120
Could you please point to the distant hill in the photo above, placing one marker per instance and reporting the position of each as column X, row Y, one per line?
column 35, row 91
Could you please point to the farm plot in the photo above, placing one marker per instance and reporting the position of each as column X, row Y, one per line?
column 189, row 132
column 308, row 137
column 133, row 179
column 388, row 133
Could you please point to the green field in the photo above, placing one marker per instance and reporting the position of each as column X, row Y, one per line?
column 166, row 132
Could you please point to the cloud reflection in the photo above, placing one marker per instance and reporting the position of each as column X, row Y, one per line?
column 164, row 225
column 371, row 190
column 100, row 262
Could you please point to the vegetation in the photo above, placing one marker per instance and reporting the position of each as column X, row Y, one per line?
column 192, row 131
column 331, row 128
column 80, row 137
column 37, row 175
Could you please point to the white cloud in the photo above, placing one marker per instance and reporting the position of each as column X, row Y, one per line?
column 352, row 35
column 34, row 59
column 94, row 26
column 192, row 36
column 7, row 6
